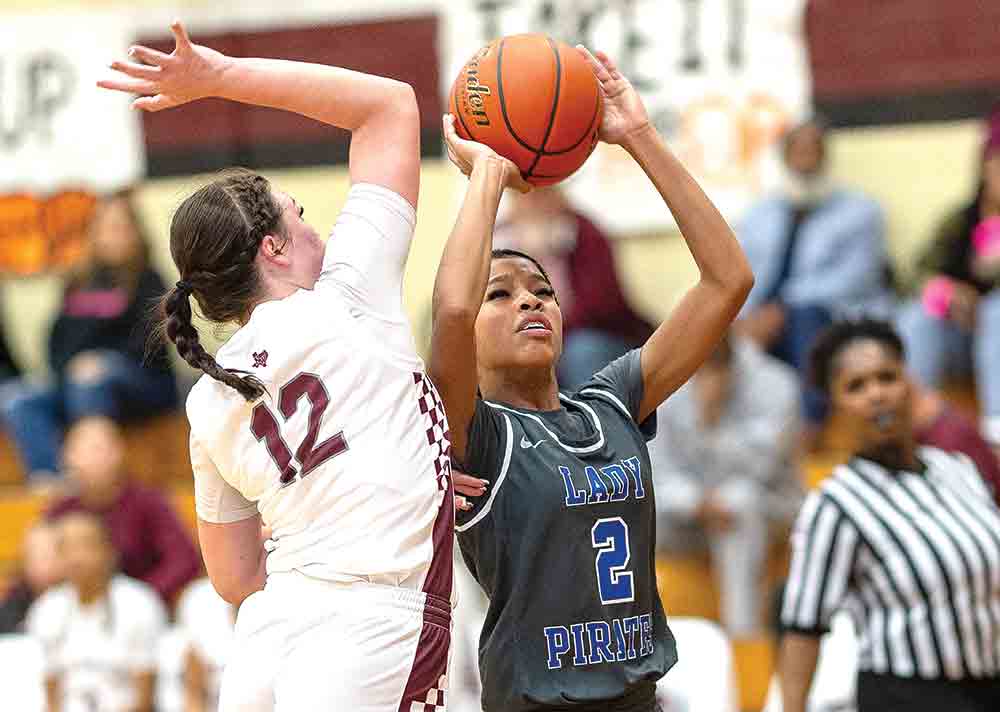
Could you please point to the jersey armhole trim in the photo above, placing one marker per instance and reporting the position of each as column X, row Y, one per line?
column 508, row 450
column 611, row 397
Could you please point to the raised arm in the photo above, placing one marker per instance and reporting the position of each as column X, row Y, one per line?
column 380, row 113
column 461, row 279
column 682, row 342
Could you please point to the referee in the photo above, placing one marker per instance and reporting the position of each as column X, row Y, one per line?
column 905, row 539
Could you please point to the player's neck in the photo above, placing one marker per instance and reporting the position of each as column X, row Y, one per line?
column 528, row 389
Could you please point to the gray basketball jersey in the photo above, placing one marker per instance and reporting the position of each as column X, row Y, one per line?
column 563, row 544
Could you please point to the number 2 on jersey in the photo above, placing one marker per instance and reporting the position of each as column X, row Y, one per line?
column 610, row 538
column 264, row 426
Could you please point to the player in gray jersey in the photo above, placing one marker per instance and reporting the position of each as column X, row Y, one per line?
column 562, row 542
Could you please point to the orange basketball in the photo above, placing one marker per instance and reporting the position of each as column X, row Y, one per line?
column 533, row 100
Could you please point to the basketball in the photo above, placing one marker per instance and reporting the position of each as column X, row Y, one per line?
column 533, row 100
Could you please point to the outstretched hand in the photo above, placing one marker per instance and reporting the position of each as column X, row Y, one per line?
column 163, row 81
column 464, row 155
column 624, row 112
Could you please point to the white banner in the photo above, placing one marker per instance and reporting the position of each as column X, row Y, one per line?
column 56, row 127
column 720, row 78
column 63, row 141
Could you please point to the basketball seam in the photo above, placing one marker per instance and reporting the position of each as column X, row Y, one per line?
column 555, row 105
column 590, row 127
column 503, row 103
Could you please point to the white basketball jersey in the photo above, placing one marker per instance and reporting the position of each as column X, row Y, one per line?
column 346, row 457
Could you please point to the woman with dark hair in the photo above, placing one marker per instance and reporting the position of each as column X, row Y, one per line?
column 97, row 346
column 563, row 542
column 906, row 539
column 955, row 326
column 315, row 419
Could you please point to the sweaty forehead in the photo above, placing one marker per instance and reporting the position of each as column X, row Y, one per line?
column 510, row 268
column 285, row 201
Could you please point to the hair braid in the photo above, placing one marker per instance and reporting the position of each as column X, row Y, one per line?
column 180, row 330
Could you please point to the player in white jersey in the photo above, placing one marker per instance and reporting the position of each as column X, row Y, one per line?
column 315, row 419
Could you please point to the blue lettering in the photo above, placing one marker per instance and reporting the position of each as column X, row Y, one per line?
column 574, row 497
column 646, row 647
column 598, row 490
column 578, row 652
column 631, row 626
column 557, row 642
column 616, row 626
column 635, row 471
column 616, row 474
column 600, row 643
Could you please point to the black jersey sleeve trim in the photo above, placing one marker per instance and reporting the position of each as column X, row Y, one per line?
column 611, row 397
column 508, row 450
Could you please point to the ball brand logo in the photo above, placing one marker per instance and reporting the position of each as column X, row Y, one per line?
column 476, row 92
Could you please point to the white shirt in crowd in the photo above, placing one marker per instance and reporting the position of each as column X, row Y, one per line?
column 206, row 623
column 95, row 650
column 349, row 422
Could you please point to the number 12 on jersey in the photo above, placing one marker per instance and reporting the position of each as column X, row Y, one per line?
column 610, row 537
column 309, row 455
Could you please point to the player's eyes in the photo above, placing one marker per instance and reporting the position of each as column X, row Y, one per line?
column 497, row 294
column 546, row 292
column 302, row 211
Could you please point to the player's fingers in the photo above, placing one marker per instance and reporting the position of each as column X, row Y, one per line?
column 132, row 86
column 148, row 55
column 152, row 103
column 137, row 71
column 180, row 35
column 609, row 64
column 599, row 69
column 463, row 504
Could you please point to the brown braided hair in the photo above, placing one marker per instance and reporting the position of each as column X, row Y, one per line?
column 214, row 238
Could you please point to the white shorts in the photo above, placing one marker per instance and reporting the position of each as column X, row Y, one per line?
column 305, row 644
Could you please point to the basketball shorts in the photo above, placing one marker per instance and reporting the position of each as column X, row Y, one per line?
column 307, row 645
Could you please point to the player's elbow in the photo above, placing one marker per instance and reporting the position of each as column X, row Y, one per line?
column 234, row 591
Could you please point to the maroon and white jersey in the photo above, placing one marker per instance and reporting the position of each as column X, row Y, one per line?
column 346, row 457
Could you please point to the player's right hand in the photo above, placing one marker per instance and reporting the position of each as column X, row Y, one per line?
column 464, row 154
column 163, row 81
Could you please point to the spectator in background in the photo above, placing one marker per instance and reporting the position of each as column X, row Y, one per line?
column 940, row 425
column 724, row 473
column 206, row 622
column 99, row 630
column 41, row 569
column 817, row 250
column 152, row 544
column 955, row 326
column 98, row 343
column 599, row 324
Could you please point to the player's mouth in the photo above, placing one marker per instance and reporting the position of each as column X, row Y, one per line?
column 537, row 324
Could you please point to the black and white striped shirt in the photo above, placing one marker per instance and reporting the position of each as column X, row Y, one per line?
column 914, row 558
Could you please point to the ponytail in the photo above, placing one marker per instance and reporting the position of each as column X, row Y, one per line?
column 180, row 330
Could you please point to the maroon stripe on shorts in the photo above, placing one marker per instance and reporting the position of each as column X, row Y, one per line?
column 439, row 574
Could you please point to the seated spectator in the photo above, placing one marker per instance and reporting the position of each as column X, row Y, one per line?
column 723, row 468
column 940, row 425
column 152, row 544
column 206, row 622
column 954, row 327
column 99, row 630
column 41, row 569
column 97, row 344
column 817, row 250
column 599, row 325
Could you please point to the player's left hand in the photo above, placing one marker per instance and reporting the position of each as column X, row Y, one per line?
column 624, row 112
column 468, row 486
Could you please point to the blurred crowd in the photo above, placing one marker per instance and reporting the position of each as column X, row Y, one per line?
column 110, row 575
